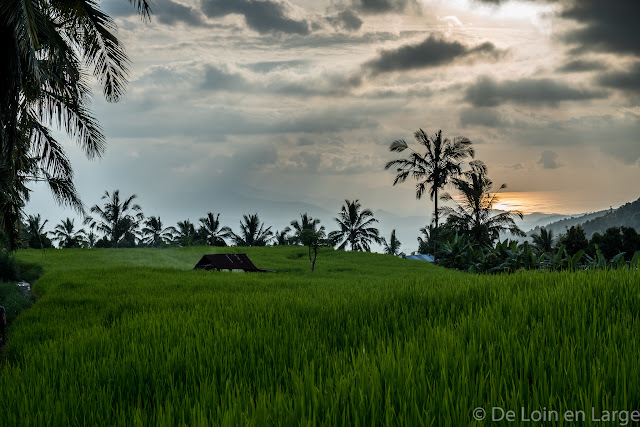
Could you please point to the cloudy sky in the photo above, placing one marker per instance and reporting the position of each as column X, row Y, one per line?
column 280, row 107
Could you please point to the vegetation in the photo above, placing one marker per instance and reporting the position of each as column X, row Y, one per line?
column 118, row 219
column 392, row 247
column 67, row 235
column 212, row 232
column 252, row 232
column 47, row 47
column 356, row 228
column 441, row 161
column 134, row 337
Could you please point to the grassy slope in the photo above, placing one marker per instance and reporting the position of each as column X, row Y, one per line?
column 133, row 337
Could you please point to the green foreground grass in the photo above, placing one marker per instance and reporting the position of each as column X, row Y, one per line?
column 133, row 337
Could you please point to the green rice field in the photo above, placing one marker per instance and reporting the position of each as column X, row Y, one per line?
column 135, row 337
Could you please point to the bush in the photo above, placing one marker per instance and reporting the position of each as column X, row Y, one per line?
column 8, row 267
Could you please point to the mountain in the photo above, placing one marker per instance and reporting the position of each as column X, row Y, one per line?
column 627, row 215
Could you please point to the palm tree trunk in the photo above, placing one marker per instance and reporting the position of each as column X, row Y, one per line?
column 435, row 240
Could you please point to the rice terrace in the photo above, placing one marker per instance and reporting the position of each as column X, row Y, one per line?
column 319, row 213
column 136, row 337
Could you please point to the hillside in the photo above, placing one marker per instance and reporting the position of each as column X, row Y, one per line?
column 559, row 227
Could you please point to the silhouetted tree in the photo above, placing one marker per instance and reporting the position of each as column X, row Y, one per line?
column 35, row 236
column 306, row 223
column 185, row 234
column 543, row 242
column 282, row 238
column 356, row 228
column 573, row 240
column 252, row 232
column 473, row 215
column 442, row 160
column 67, row 236
column 313, row 239
column 48, row 51
column 211, row 231
column 392, row 247
column 118, row 219
column 154, row 234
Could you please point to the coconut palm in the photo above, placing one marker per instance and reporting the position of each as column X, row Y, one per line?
column 442, row 160
column 473, row 215
column 154, row 234
column 543, row 242
column 185, row 234
column 282, row 238
column 252, row 232
column 211, row 231
column 355, row 228
column 392, row 247
column 48, row 49
column 306, row 223
column 66, row 234
column 35, row 235
column 118, row 220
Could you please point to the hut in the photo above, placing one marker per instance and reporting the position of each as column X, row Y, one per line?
column 231, row 262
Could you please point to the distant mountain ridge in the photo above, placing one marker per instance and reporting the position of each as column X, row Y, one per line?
column 627, row 215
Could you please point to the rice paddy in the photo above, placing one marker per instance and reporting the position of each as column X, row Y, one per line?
column 134, row 337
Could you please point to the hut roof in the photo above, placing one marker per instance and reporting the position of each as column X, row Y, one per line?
column 227, row 262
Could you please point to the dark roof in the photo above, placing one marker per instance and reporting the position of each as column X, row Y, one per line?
column 227, row 262
column 421, row 257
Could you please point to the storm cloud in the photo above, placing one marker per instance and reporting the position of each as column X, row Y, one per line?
column 262, row 16
column 487, row 92
column 434, row 51
column 385, row 6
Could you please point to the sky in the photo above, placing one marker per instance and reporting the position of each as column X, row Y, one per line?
column 282, row 107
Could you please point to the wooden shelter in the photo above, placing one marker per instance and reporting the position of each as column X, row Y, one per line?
column 229, row 262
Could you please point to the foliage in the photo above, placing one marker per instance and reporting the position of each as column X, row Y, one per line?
column 442, row 160
column 67, row 235
column 118, row 219
column 306, row 223
column 368, row 339
column 185, row 234
column 356, row 228
column 615, row 240
column 543, row 241
column 474, row 215
column 49, row 49
column 313, row 239
column 34, row 235
column 8, row 267
column 252, row 232
column 154, row 234
column 211, row 232
column 392, row 247
column 282, row 237
column 573, row 240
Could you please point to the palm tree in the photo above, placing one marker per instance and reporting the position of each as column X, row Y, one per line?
column 441, row 161
column 306, row 223
column 393, row 246
column 473, row 215
column 185, row 234
column 154, row 234
column 252, row 232
column 211, row 231
column 46, row 48
column 66, row 234
column 282, row 238
column 118, row 219
column 35, row 234
column 355, row 228
column 543, row 242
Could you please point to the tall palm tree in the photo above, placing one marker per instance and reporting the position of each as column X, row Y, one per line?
column 46, row 48
column 66, row 234
column 35, row 234
column 356, row 228
column 473, row 215
column 118, row 219
column 306, row 223
column 185, row 234
column 392, row 247
column 154, row 234
column 212, row 232
column 252, row 232
column 543, row 242
column 442, row 160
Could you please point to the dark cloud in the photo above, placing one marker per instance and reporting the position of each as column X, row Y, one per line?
column 346, row 20
column 218, row 79
column 164, row 11
column 609, row 26
column 264, row 16
column 432, row 52
column 486, row 92
column 384, row 6
column 581, row 65
column 548, row 160
column 627, row 80
column 488, row 117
